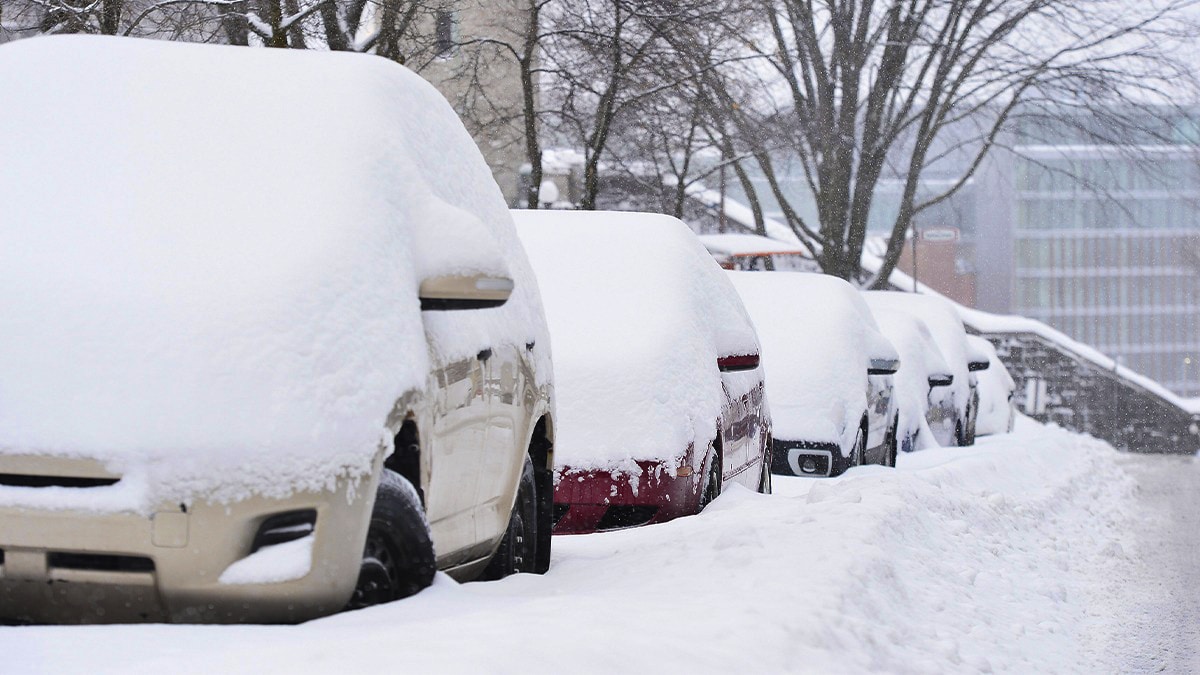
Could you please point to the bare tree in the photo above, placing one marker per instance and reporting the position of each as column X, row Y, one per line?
column 860, row 90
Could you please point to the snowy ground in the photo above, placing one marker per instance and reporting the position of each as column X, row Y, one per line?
column 1022, row 554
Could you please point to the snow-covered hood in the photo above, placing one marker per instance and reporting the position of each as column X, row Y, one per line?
column 639, row 313
column 211, row 281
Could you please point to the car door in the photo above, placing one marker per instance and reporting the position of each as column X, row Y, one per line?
column 460, row 429
column 510, row 399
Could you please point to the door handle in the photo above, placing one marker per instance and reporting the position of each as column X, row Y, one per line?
column 484, row 354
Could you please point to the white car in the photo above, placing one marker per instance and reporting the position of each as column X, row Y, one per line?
column 996, row 386
column 957, row 426
column 829, row 372
column 922, row 381
column 271, row 347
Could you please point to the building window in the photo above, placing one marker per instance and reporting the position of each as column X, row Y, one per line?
column 444, row 33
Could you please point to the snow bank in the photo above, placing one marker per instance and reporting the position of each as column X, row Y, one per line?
column 209, row 280
column 996, row 387
column 639, row 313
column 817, row 347
column 996, row 558
column 947, row 331
column 919, row 359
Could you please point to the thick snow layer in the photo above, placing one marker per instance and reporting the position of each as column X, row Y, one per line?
column 274, row 564
column 817, row 340
column 920, row 359
column 996, row 558
column 639, row 313
column 209, row 280
column 996, row 387
column 946, row 328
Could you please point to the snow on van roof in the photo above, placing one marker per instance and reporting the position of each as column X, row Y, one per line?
column 816, row 348
column 639, row 313
column 919, row 359
column 215, row 265
column 945, row 326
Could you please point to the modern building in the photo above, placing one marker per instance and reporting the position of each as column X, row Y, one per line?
column 1103, row 243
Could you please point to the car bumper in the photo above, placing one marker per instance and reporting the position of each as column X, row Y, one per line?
column 592, row 501
column 89, row 567
column 806, row 458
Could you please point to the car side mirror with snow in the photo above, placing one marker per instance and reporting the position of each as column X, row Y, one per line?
column 454, row 291
column 976, row 366
column 883, row 366
column 940, row 380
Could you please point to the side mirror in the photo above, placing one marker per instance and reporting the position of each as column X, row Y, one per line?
column 883, row 367
column 976, row 366
column 940, row 380
column 455, row 291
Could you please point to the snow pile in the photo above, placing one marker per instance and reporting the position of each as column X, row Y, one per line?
column 996, row 558
column 919, row 359
column 639, row 313
column 947, row 331
column 817, row 345
column 210, row 284
column 996, row 387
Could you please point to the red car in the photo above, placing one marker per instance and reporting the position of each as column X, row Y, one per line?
column 658, row 384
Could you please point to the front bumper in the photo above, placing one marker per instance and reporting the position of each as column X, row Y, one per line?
column 76, row 566
column 805, row 458
column 591, row 501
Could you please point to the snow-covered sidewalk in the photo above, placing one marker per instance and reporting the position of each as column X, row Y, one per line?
column 993, row 558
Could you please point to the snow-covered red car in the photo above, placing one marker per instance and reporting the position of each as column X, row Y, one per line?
column 952, row 416
column 658, row 384
column 829, row 372
column 997, row 414
column 921, row 381
column 271, row 346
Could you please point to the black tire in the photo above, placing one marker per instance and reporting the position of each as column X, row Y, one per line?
column 518, row 550
column 710, row 489
column 959, row 435
column 398, row 558
column 860, row 449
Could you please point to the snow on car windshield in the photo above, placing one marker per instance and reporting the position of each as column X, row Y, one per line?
column 224, row 301
column 816, row 350
column 639, row 313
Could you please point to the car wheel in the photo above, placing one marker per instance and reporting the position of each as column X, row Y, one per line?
column 860, row 449
column 518, row 549
column 712, row 482
column 398, row 559
column 960, row 435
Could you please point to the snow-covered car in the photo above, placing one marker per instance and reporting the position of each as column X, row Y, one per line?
column 921, row 380
column 996, row 386
column 659, row 390
column 829, row 372
column 269, row 338
column 957, row 426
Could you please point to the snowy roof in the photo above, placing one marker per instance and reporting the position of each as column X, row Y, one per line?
column 639, row 313
column 218, row 263
column 817, row 339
